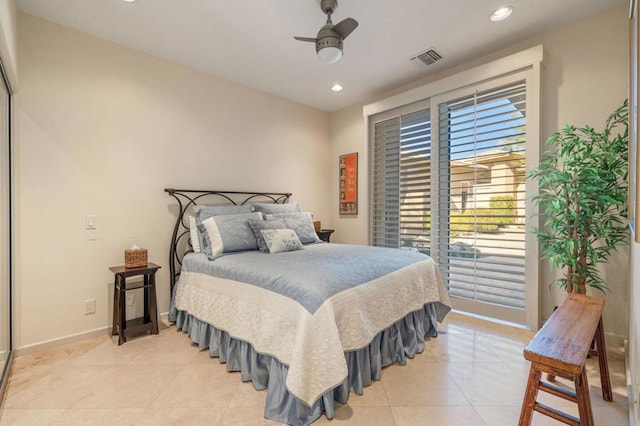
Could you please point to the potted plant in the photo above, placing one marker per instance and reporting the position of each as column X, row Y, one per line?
column 583, row 200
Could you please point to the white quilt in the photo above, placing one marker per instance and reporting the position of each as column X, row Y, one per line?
column 312, row 345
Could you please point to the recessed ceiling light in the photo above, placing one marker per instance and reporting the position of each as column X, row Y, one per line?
column 337, row 88
column 128, row 1
column 501, row 13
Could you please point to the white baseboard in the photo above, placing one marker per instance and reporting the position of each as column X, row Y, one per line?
column 72, row 338
column 52, row 343
column 615, row 339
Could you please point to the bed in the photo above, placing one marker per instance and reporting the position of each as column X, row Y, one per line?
column 310, row 323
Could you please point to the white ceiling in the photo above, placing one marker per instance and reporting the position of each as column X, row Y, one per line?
column 251, row 41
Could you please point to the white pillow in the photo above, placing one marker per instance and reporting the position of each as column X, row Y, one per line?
column 280, row 240
column 194, row 234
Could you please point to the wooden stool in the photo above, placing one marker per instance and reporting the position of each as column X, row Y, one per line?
column 149, row 321
column 560, row 349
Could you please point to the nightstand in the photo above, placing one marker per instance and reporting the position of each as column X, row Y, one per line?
column 148, row 322
column 325, row 234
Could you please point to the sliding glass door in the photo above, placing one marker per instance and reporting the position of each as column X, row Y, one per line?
column 448, row 179
column 482, row 218
column 5, row 231
column 402, row 181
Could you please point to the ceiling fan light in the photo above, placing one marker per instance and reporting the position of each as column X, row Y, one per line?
column 329, row 54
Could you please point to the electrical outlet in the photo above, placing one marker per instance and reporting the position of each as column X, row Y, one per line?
column 90, row 306
column 130, row 299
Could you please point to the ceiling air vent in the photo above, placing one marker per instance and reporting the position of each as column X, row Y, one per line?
column 428, row 57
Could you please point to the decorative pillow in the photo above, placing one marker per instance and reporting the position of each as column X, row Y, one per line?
column 229, row 233
column 267, row 208
column 302, row 223
column 259, row 225
column 203, row 213
column 194, row 235
column 279, row 240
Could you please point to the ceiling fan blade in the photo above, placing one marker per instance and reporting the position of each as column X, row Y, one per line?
column 345, row 27
column 312, row 40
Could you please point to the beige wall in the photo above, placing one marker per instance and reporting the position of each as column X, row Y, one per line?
column 580, row 89
column 101, row 131
column 8, row 40
column 348, row 135
column 584, row 79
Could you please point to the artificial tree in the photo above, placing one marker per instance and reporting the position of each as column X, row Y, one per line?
column 583, row 200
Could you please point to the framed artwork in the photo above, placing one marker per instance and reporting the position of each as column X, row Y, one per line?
column 348, row 181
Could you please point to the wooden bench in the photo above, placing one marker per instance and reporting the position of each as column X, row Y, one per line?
column 560, row 348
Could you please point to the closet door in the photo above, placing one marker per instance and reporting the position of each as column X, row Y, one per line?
column 5, row 232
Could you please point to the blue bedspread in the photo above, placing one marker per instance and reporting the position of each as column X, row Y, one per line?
column 309, row 276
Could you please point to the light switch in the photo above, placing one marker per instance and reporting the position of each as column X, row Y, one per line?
column 90, row 221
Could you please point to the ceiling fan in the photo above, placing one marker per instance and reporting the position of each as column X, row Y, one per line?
column 330, row 37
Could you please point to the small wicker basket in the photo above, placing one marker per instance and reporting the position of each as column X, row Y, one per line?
column 135, row 258
column 317, row 225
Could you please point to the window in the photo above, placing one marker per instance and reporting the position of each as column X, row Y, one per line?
column 448, row 178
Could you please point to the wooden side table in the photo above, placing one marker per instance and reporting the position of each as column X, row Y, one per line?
column 148, row 322
column 325, row 234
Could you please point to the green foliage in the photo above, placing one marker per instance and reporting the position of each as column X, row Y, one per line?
column 504, row 206
column 427, row 222
column 478, row 220
column 502, row 212
column 583, row 199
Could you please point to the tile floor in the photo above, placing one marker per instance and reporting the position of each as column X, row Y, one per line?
column 473, row 373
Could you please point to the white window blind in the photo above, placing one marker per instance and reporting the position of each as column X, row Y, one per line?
column 402, row 181
column 481, row 192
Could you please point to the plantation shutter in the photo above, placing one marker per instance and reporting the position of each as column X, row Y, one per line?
column 481, row 192
column 401, row 181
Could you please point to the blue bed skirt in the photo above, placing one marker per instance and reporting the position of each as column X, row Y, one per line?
column 400, row 341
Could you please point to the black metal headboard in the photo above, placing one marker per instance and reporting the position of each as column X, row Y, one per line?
column 188, row 198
